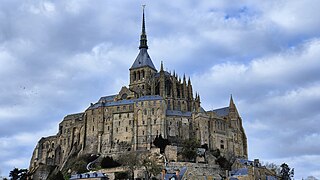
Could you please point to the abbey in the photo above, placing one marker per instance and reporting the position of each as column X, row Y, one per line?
column 155, row 103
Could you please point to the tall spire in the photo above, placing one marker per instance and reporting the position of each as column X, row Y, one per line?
column 161, row 66
column 143, row 36
column 231, row 104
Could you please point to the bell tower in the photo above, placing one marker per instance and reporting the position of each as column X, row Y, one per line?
column 142, row 68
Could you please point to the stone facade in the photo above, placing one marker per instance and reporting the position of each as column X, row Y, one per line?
column 154, row 103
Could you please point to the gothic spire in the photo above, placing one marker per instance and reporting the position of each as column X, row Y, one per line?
column 231, row 104
column 143, row 36
column 161, row 66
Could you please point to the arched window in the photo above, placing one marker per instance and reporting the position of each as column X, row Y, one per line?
column 142, row 74
column 138, row 74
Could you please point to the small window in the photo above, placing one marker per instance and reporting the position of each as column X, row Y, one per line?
column 128, row 115
column 92, row 128
column 118, row 108
column 142, row 132
column 129, row 122
column 222, row 146
column 108, row 128
column 119, row 123
column 126, row 129
column 155, row 121
column 142, row 122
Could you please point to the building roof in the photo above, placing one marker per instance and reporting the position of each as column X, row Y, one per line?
column 240, row 172
column 166, row 73
column 107, row 98
column 89, row 175
column 178, row 113
column 150, row 98
column 245, row 161
column 172, row 174
column 124, row 102
column 221, row 111
column 143, row 60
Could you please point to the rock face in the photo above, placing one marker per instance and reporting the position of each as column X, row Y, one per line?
column 155, row 103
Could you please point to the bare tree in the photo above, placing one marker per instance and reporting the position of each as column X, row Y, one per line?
column 131, row 161
column 151, row 165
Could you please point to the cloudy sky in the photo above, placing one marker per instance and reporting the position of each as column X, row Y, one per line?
column 56, row 57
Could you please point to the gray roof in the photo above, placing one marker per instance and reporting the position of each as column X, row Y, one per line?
column 271, row 178
column 166, row 73
column 178, row 113
column 222, row 111
column 239, row 172
column 245, row 161
column 150, row 98
column 173, row 174
column 125, row 101
column 107, row 98
column 89, row 175
column 143, row 59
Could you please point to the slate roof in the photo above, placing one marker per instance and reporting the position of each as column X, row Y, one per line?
column 245, row 161
column 221, row 111
column 239, row 172
column 125, row 101
column 166, row 73
column 143, row 59
column 107, row 98
column 149, row 98
column 169, row 175
column 178, row 113
column 89, row 175
column 271, row 178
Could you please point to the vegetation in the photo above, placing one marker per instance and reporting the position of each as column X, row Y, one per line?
column 77, row 164
column 136, row 160
column 19, row 174
column 286, row 173
column 161, row 143
column 108, row 162
column 131, row 161
column 121, row 175
column 151, row 166
column 273, row 167
column 58, row 176
column 226, row 161
column 189, row 149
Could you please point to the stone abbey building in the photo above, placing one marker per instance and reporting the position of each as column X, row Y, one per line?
column 155, row 103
